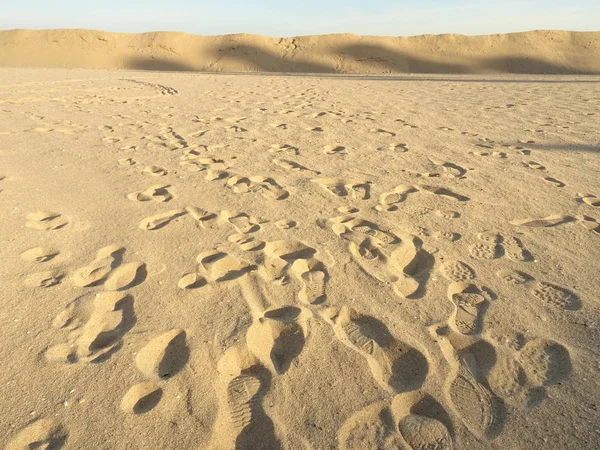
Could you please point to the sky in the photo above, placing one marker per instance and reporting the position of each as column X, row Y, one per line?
column 281, row 18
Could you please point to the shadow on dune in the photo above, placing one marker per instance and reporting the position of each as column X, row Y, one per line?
column 263, row 60
column 158, row 64
column 393, row 61
column 244, row 57
column 376, row 59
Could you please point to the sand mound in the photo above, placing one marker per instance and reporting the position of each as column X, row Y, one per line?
column 537, row 52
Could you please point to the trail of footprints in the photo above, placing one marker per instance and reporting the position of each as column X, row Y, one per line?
column 95, row 323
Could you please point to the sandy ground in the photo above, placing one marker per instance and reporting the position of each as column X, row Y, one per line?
column 266, row 262
column 540, row 52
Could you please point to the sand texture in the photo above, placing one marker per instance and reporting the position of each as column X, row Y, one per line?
column 535, row 52
column 206, row 261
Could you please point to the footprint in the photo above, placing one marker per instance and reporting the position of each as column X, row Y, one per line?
column 545, row 362
column 240, row 221
column 515, row 250
column 486, row 251
column 447, row 214
column 164, row 356
column 39, row 254
column 520, row 376
column 126, row 277
column 204, row 218
column 422, row 432
column 294, row 257
column 447, row 235
column 241, row 185
column 111, row 317
column 457, row 271
column 44, row 279
column 41, row 434
column 451, row 169
column 382, row 131
column 294, row 166
column 154, row 171
column 590, row 223
column 241, row 419
column 334, row 150
column 217, row 266
column 383, row 255
column 514, row 276
column 490, row 237
column 371, row 428
column 159, row 193
column 45, row 221
column 269, row 188
column 276, row 338
column 469, row 306
column 141, row 398
column 284, row 224
column 473, row 403
column 278, row 148
column 406, row 124
column 396, row 366
column 399, row 148
column 454, row 170
column 246, row 243
column 589, row 199
column 359, row 190
column 160, row 220
column 507, row 379
column 550, row 221
column 313, row 278
column 388, row 200
column 533, row 165
column 126, row 162
column 191, row 281
column 555, row 182
column 421, row 421
column 556, row 296
column 107, row 259
column 444, row 192
column 235, row 129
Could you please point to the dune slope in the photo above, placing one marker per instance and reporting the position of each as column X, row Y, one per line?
column 535, row 52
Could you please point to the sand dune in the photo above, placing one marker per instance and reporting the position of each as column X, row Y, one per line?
column 255, row 262
column 536, row 52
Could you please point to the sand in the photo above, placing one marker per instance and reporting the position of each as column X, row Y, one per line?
column 285, row 262
column 535, row 52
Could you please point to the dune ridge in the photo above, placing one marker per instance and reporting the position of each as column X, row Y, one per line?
column 533, row 52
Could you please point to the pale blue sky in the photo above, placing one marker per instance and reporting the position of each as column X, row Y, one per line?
column 285, row 18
